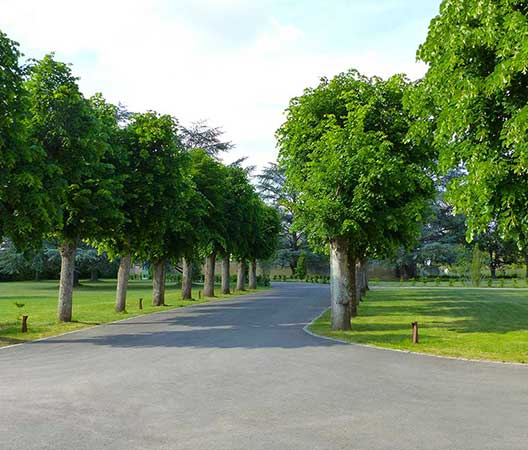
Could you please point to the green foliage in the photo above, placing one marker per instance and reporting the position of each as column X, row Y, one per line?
column 209, row 217
column 157, row 189
column 64, row 126
column 24, row 207
column 472, row 107
column 301, row 271
column 241, row 198
column 344, row 149
column 272, row 188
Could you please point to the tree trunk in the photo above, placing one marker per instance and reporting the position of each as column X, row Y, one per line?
column 362, row 278
column 67, row 252
column 253, row 274
column 158, row 283
column 186, row 279
column 76, row 277
column 209, row 280
column 94, row 276
column 340, row 284
column 241, row 276
column 355, row 294
column 122, row 282
column 225, row 274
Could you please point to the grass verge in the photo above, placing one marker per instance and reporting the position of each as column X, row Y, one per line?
column 93, row 304
column 468, row 323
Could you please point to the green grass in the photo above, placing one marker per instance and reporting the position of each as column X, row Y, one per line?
column 93, row 304
column 471, row 323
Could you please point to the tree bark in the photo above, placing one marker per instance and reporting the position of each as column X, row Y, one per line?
column 253, row 274
column 355, row 294
column 225, row 274
column 241, row 275
column 209, row 280
column 76, row 278
column 186, row 279
column 122, row 282
column 158, row 283
column 340, row 284
column 67, row 252
column 362, row 278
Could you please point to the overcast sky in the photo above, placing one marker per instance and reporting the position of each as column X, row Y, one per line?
column 235, row 63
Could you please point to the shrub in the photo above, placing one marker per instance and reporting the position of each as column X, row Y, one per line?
column 301, row 271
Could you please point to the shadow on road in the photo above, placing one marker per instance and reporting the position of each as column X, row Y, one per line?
column 271, row 320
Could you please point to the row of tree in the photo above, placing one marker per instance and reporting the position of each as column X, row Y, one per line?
column 136, row 185
column 362, row 153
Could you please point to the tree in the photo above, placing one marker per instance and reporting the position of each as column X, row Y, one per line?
column 157, row 192
column 64, row 126
column 24, row 205
column 362, row 185
column 301, row 266
column 472, row 106
column 200, row 136
column 240, row 197
column 210, row 225
column 271, row 185
column 264, row 238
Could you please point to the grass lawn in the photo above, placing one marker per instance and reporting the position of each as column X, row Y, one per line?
column 479, row 323
column 93, row 304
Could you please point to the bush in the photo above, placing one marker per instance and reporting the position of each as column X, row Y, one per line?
column 301, row 271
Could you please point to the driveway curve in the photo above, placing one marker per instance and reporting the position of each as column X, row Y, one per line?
column 242, row 375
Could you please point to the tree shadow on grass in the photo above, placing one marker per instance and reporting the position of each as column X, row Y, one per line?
column 471, row 311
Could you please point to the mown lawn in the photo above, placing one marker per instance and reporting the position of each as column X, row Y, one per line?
column 479, row 323
column 93, row 304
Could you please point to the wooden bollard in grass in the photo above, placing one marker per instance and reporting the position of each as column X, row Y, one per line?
column 414, row 326
column 199, row 295
column 24, row 324
column 140, row 302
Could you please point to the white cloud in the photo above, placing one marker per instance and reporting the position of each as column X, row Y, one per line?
column 148, row 57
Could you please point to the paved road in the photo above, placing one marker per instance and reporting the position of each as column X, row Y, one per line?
column 242, row 375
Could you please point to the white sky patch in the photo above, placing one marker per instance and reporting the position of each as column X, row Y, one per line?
column 149, row 57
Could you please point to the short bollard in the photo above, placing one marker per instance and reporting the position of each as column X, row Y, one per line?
column 199, row 295
column 24, row 324
column 414, row 332
column 140, row 302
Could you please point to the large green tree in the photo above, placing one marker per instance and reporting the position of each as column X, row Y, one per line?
column 82, row 183
column 156, row 193
column 264, row 239
column 210, row 224
column 362, row 185
column 24, row 205
column 472, row 106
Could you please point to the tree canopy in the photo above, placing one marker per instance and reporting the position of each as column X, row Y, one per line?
column 472, row 106
column 345, row 151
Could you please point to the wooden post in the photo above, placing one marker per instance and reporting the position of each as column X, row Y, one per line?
column 199, row 295
column 414, row 326
column 140, row 302
column 24, row 324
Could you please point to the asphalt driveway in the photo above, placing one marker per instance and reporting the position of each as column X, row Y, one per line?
column 242, row 375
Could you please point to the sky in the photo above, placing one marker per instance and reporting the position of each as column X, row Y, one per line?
column 234, row 63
